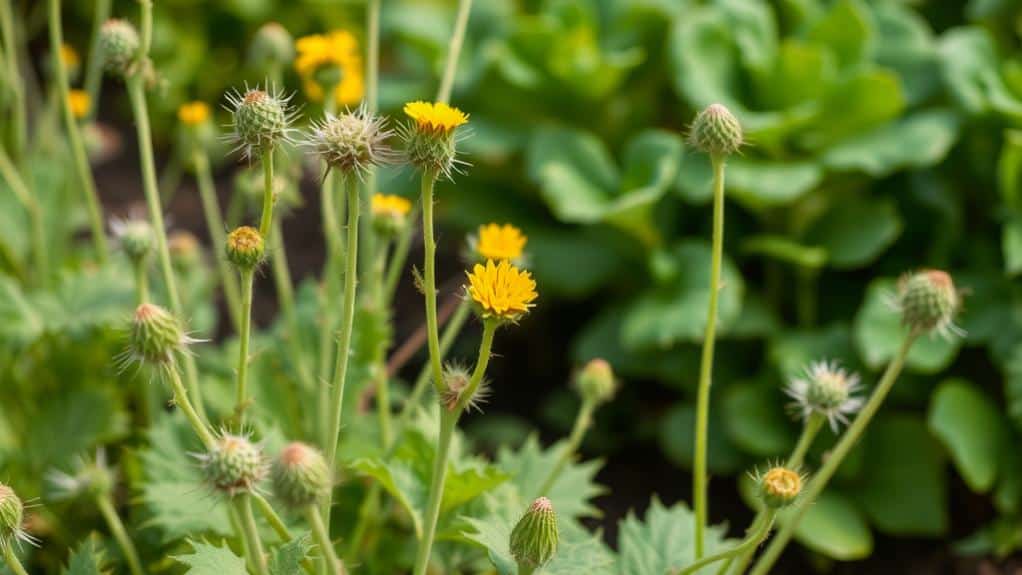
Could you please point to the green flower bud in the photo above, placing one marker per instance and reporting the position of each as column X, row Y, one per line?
column 596, row 383
column 245, row 247
column 119, row 43
column 261, row 121
column 233, row 465
column 352, row 142
column 136, row 237
column 185, row 251
column 928, row 302
column 534, row 539
column 301, row 476
column 716, row 131
column 779, row 487
column 431, row 136
column 12, row 515
column 272, row 46
column 156, row 335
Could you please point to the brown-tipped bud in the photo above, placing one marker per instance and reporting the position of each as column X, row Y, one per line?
column 245, row 247
column 261, row 120
column 119, row 43
column 779, row 487
column 534, row 539
column 156, row 335
column 301, row 476
column 928, row 301
column 716, row 131
column 234, row 464
column 595, row 382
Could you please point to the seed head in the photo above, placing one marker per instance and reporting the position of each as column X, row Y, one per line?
column 825, row 388
column 234, row 464
column 135, row 236
column 260, row 120
column 119, row 43
column 272, row 46
column 456, row 384
column 779, row 487
column 156, row 336
column 716, row 131
column 928, row 302
column 245, row 247
column 595, row 382
column 352, row 142
column 534, row 539
column 301, row 476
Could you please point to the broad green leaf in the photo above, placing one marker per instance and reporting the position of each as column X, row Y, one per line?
column 580, row 153
column 76, row 421
column 834, row 527
column 578, row 551
column 287, row 559
column 799, row 74
column 917, row 141
column 756, row 184
column 970, row 71
column 786, row 250
column 206, row 559
column 663, row 541
column 86, row 559
column 573, row 491
column 754, row 419
column 794, row 350
column 845, row 29
column 905, row 43
column 854, row 106
column 677, row 436
column 856, row 230
column 904, row 489
column 878, row 334
column 969, row 425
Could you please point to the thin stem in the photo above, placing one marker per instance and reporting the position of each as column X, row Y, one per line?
column 583, row 421
column 15, row 82
column 248, row 524
column 836, row 456
column 429, row 279
column 750, row 542
column 330, row 288
column 146, row 32
column 216, row 226
column 454, row 50
column 322, row 538
column 94, row 66
column 113, row 521
column 451, row 332
column 81, row 160
column 12, row 560
column 241, row 397
column 397, row 260
column 267, row 216
column 239, row 531
column 141, row 280
column 278, row 525
column 182, row 401
column 706, row 365
column 17, row 185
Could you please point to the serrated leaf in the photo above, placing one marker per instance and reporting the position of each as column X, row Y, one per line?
column 86, row 559
column 206, row 559
column 75, row 422
column 664, row 541
column 287, row 559
column 572, row 491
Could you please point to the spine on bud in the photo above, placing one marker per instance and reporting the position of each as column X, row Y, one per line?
column 534, row 539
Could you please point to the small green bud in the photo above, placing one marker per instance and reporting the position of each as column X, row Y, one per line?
column 716, row 131
column 185, row 251
column 779, row 487
column 119, row 43
column 234, row 464
column 261, row 121
column 12, row 515
column 136, row 237
column 352, row 142
column 156, row 335
column 534, row 539
column 89, row 478
column 245, row 247
column 928, row 301
column 596, row 383
column 272, row 46
column 301, row 476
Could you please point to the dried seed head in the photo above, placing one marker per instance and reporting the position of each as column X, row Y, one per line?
column 119, row 43
column 779, row 487
column 534, row 539
column 928, row 302
column 234, row 464
column 595, row 382
column 135, row 236
column 156, row 336
column 352, row 142
column 716, row 131
column 301, row 476
column 272, row 46
column 261, row 120
column 245, row 247
column 826, row 389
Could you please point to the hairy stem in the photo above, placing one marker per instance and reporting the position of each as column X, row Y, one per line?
column 451, row 332
column 248, row 523
column 583, row 420
column 182, row 401
column 113, row 521
column 454, row 50
column 429, row 280
column 751, row 542
column 241, row 397
column 216, row 226
column 266, row 219
column 322, row 538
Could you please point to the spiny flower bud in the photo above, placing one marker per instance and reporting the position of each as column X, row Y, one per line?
column 596, row 383
column 245, row 247
column 430, row 137
column 928, row 302
column 456, row 383
column 272, row 46
column 825, row 389
column 301, row 476
column 234, row 464
column 716, row 131
column 12, row 517
column 260, row 120
column 534, row 539
column 156, row 335
column 135, row 236
column 119, row 43
column 779, row 487
column 352, row 142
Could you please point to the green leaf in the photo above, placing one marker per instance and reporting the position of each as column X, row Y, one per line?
column 799, row 74
column 793, row 350
column 756, row 184
column 663, row 541
column 834, row 527
column 970, row 70
column 577, row 552
column 904, row 490
column 75, row 422
column 786, row 250
column 845, row 30
column 573, row 491
column 905, row 43
column 287, row 559
column 206, row 559
column 878, row 334
column 755, row 420
column 854, row 106
column 855, row 230
column 918, row 141
column 970, row 426
column 677, row 436
column 87, row 559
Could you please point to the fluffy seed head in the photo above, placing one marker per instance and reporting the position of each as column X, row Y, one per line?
column 352, row 142
column 779, row 487
column 826, row 389
column 716, row 131
column 156, row 335
column 390, row 213
column 260, row 120
column 928, row 302
column 534, row 539
column 234, row 464
column 119, row 43
column 498, row 242
column 595, row 382
column 272, row 46
column 245, row 247
column 135, row 236
column 301, row 476
column 456, row 383
column 501, row 291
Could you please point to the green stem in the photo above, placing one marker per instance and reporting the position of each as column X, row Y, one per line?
column 330, row 288
column 398, row 259
column 454, row 50
column 241, row 397
column 141, row 280
column 17, row 185
column 706, row 365
column 251, row 530
column 750, row 543
column 429, row 280
column 526, row 569
column 278, row 525
column 216, row 226
column 74, row 136
column 182, row 401
column 239, row 532
column 451, row 332
column 94, row 66
column 836, row 456
column 267, row 217
column 322, row 538
column 113, row 521
column 15, row 82
column 12, row 560
column 582, row 422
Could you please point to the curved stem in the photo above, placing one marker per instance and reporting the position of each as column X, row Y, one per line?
column 241, row 397
column 454, row 50
column 216, row 226
column 182, row 401
column 94, row 66
column 582, row 422
column 706, row 365
column 322, row 538
column 429, row 279
column 113, row 521
column 278, row 526
column 81, row 160
column 750, row 542
column 12, row 560
column 248, row 524
column 835, row 457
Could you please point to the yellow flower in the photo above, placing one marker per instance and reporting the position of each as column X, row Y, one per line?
column 500, row 242
column 435, row 117
column 70, row 57
column 80, row 103
column 337, row 49
column 501, row 290
column 390, row 206
column 193, row 114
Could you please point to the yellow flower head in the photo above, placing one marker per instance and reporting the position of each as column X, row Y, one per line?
column 337, row 52
column 80, row 103
column 70, row 57
column 193, row 114
column 502, row 291
column 390, row 205
column 500, row 242
column 435, row 117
